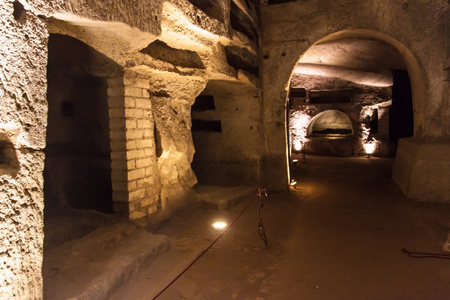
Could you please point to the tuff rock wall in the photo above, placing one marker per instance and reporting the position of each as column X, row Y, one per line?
column 165, row 53
column 23, row 60
column 415, row 28
column 359, row 109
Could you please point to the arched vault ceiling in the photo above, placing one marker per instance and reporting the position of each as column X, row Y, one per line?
column 359, row 54
column 370, row 57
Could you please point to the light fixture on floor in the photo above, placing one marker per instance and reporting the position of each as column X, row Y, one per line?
column 369, row 148
column 219, row 225
column 297, row 145
column 293, row 183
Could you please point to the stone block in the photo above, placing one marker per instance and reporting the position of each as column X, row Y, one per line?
column 149, row 152
column 135, row 134
column 115, row 91
column 143, row 162
column 151, row 209
column 142, row 83
column 116, row 112
column 130, row 124
column 133, row 91
column 148, row 180
column 117, row 123
column 136, row 174
column 148, row 201
column 118, row 155
column 144, row 124
column 115, row 102
column 148, row 171
column 132, row 185
column 138, row 194
column 146, row 143
column 115, row 81
column 134, row 113
column 422, row 169
column 117, row 145
column 119, row 164
column 131, row 164
column 137, row 215
column 129, row 102
column 143, row 103
column 130, row 144
column 135, row 154
column 117, row 135
column 148, row 133
column 145, row 93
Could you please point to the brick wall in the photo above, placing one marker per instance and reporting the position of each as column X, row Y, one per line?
column 135, row 179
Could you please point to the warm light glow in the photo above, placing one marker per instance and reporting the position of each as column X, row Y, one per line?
column 295, row 160
column 369, row 148
column 219, row 225
column 293, row 182
column 297, row 145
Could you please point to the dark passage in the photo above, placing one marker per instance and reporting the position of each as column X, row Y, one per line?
column 401, row 114
column 78, row 165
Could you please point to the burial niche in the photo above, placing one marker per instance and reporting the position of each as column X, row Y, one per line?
column 330, row 124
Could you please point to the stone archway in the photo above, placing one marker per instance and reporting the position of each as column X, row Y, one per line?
column 275, row 114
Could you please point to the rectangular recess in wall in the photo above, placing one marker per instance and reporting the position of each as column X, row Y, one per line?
column 206, row 125
column 272, row 2
column 239, row 21
column 203, row 102
column 297, row 93
column 212, row 8
column 330, row 97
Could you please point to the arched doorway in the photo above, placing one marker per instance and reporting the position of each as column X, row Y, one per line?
column 77, row 173
column 359, row 72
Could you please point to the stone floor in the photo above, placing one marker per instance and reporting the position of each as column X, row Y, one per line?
column 337, row 235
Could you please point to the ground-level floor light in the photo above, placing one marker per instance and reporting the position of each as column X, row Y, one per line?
column 293, row 183
column 297, row 145
column 369, row 148
column 219, row 225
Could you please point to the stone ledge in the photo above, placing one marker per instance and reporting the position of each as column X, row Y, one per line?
column 422, row 169
column 101, row 261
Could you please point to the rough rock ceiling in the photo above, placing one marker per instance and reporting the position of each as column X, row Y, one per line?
column 365, row 61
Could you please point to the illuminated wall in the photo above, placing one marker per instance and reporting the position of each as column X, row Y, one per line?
column 165, row 53
column 344, row 101
column 416, row 30
column 23, row 115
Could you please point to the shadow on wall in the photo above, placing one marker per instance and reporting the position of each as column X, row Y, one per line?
column 226, row 136
column 78, row 165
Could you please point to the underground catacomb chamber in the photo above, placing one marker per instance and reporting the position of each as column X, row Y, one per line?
column 331, row 124
column 347, row 92
column 225, row 135
column 78, row 164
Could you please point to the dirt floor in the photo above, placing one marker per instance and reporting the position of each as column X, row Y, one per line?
column 337, row 235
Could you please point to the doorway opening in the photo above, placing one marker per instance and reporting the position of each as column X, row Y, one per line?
column 77, row 172
column 225, row 135
column 362, row 80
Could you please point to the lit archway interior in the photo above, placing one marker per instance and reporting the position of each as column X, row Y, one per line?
column 330, row 124
column 347, row 92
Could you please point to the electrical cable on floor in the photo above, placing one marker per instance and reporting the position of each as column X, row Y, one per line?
column 261, row 230
column 204, row 251
column 426, row 254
